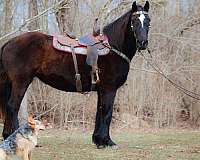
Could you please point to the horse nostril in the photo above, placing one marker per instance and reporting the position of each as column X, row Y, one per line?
column 145, row 43
column 142, row 44
column 138, row 42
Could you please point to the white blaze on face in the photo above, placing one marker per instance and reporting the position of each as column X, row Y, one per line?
column 141, row 18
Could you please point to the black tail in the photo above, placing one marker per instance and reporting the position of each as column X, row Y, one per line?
column 4, row 87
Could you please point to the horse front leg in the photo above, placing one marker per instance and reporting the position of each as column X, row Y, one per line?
column 101, row 136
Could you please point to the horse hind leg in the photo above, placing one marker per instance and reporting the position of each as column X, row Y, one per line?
column 3, row 97
column 5, row 88
column 18, row 90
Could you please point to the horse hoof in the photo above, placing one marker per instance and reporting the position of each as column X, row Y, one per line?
column 115, row 147
column 101, row 146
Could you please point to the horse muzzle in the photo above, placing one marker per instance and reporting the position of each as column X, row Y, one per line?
column 142, row 45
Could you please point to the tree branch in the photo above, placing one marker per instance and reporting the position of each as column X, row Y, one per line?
column 55, row 6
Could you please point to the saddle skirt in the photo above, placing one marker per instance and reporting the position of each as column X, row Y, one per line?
column 65, row 44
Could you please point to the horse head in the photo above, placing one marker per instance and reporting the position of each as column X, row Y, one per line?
column 140, row 24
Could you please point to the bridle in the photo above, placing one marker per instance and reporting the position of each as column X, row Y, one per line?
column 121, row 54
column 137, row 13
column 132, row 26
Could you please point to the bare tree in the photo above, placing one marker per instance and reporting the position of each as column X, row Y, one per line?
column 33, row 11
column 65, row 16
column 8, row 16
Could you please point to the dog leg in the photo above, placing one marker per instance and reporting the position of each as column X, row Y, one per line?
column 25, row 155
column 2, row 154
column 29, row 156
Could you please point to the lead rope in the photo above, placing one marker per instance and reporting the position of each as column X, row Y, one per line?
column 77, row 75
column 158, row 70
column 177, row 86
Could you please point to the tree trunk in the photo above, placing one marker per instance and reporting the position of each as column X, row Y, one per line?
column 65, row 16
column 8, row 16
column 33, row 11
column 46, row 5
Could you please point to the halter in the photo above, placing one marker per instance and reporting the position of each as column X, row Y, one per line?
column 137, row 13
column 140, row 12
column 120, row 53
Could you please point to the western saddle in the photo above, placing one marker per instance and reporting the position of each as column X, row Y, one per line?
column 92, row 43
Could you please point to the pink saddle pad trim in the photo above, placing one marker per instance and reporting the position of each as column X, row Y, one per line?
column 79, row 49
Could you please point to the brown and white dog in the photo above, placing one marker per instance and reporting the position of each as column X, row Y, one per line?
column 20, row 144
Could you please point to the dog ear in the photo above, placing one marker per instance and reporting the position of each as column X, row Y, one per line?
column 146, row 6
column 30, row 117
column 31, row 121
column 134, row 7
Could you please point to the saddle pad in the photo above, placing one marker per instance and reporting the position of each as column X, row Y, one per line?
column 67, row 41
column 79, row 49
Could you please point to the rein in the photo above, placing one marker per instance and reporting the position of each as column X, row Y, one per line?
column 177, row 86
column 119, row 53
column 157, row 69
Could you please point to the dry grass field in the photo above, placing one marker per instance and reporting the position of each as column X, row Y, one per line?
column 135, row 145
column 162, row 145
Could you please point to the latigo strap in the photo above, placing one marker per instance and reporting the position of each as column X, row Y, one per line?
column 77, row 76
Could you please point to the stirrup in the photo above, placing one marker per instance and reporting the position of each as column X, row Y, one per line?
column 95, row 78
column 78, row 83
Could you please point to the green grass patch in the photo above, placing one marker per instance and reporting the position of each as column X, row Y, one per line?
column 163, row 145
column 64, row 145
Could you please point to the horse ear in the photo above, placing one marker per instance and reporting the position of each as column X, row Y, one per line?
column 146, row 6
column 134, row 7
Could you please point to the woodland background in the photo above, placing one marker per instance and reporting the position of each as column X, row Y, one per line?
column 147, row 100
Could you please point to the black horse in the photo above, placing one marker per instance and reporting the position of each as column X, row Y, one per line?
column 32, row 55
